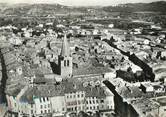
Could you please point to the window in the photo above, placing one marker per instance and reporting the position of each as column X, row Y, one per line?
column 86, row 102
column 48, row 111
column 97, row 101
column 45, row 111
column 48, row 105
column 43, row 99
column 64, row 62
column 78, row 95
column 94, row 107
column 31, row 111
column 82, row 95
column 93, row 102
column 102, row 101
column 41, row 111
column 67, row 62
column 79, row 102
column 41, row 106
column 90, row 108
column 102, row 106
column 90, row 102
column 68, row 109
column 47, row 99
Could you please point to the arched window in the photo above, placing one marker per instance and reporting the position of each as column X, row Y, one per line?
column 64, row 62
column 67, row 62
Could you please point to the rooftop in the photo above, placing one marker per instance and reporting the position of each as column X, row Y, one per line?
column 90, row 70
column 65, row 47
column 130, row 92
column 144, row 105
column 65, row 87
column 161, row 101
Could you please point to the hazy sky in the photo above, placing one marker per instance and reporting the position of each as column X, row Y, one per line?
column 79, row 2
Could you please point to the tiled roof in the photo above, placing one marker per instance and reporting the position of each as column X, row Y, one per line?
column 95, row 92
column 61, row 89
column 131, row 92
column 27, row 71
column 42, row 91
column 15, row 91
column 90, row 70
column 91, row 91
column 13, row 65
column 161, row 101
column 144, row 105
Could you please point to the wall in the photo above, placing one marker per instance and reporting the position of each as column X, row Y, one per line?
column 58, row 104
column 42, row 107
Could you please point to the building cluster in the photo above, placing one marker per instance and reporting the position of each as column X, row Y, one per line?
column 49, row 77
column 58, row 100
column 60, row 69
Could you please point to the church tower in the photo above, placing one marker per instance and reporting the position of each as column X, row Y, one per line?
column 65, row 60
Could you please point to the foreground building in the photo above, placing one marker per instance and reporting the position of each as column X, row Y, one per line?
column 130, row 101
column 54, row 100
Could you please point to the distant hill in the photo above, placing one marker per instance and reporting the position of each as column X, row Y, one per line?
column 33, row 9
column 138, row 7
column 47, row 9
column 54, row 9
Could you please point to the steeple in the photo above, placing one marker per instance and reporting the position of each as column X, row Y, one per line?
column 65, row 60
column 65, row 51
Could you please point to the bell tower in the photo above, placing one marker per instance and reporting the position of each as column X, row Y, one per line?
column 65, row 60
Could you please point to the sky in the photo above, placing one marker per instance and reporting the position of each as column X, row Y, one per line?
column 79, row 2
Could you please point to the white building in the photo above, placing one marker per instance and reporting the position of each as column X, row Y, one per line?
column 44, row 100
column 75, row 101
column 58, row 105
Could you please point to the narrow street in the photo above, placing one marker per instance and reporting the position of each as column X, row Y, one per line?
column 134, row 59
column 4, row 79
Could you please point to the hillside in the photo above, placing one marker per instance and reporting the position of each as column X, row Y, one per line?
column 54, row 9
column 33, row 9
column 138, row 7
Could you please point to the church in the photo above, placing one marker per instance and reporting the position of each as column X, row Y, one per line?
column 66, row 70
column 65, row 60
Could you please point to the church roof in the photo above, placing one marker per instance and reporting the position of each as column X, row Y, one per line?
column 91, row 70
column 65, row 47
